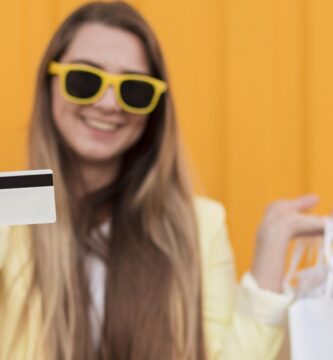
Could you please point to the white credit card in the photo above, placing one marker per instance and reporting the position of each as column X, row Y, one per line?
column 27, row 197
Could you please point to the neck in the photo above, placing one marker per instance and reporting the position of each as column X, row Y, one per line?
column 97, row 175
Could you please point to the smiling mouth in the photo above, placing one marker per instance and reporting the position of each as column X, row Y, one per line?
column 100, row 125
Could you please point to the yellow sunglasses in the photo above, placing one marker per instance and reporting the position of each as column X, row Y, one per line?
column 84, row 84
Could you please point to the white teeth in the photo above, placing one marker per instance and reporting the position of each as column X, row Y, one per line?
column 100, row 125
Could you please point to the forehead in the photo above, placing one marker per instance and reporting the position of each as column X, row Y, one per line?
column 113, row 49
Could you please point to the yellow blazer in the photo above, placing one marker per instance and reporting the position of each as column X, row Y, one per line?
column 241, row 322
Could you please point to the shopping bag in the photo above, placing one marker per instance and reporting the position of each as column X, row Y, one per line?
column 310, row 317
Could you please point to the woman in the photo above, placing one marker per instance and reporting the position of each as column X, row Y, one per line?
column 135, row 267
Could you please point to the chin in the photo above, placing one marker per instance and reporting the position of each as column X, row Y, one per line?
column 98, row 157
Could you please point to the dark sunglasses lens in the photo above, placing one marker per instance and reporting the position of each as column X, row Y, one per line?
column 137, row 94
column 82, row 84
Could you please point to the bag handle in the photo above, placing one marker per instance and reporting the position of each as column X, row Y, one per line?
column 328, row 239
column 298, row 253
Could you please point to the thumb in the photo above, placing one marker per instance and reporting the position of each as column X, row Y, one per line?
column 305, row 202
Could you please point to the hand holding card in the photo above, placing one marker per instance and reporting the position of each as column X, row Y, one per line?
column 27, row 197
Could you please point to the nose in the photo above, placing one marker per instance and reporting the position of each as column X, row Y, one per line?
column 108, row 101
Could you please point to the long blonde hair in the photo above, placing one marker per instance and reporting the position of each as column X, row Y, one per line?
column 153, row 299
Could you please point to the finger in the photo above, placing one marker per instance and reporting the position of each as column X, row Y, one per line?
column 308, row 225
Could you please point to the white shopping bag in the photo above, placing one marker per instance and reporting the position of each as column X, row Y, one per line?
column 310, row 317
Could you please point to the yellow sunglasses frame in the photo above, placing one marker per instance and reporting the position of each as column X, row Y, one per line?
column 61, row 69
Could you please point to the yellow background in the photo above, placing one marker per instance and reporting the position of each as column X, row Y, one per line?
column 253, row 87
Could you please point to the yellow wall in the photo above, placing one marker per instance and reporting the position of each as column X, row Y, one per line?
column 253, row 86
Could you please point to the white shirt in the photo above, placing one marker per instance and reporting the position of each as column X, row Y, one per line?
column 96, row 273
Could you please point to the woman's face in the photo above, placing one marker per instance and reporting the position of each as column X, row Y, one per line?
column 100, row 132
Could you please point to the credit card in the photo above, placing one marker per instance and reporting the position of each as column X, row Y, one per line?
column 27, row 197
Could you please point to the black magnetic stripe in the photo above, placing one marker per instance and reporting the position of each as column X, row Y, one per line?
column 24, row 181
